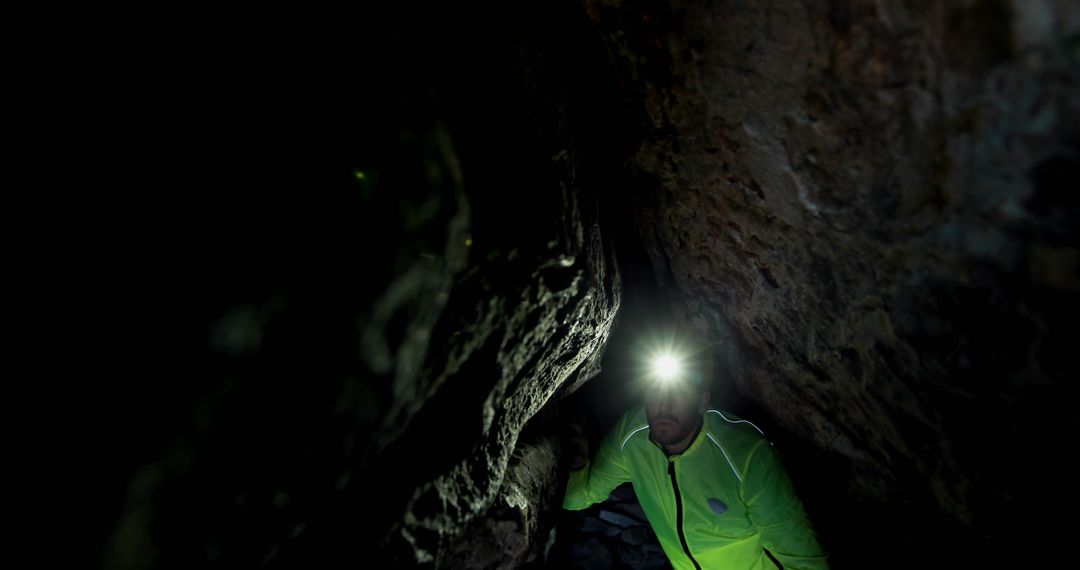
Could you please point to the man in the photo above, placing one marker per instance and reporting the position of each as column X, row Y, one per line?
column 711, row 485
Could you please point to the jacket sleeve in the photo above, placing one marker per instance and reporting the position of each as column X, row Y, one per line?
column 595, row 482
column 785, row 529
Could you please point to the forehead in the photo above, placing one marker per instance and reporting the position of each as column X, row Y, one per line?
column 682, row 390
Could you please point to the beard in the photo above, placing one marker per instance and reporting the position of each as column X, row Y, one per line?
column 669, row 431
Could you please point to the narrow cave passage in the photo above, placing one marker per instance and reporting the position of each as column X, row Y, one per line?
column 616, row 533
column 415, row 246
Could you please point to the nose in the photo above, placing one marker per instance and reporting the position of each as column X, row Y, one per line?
column 663, row 400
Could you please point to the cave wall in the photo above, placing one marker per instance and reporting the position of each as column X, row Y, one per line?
column 394, row 246
column 865, row 206
column 396, row 240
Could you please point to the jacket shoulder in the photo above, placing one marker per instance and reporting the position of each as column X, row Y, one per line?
column 633, row 423
column 738, row 436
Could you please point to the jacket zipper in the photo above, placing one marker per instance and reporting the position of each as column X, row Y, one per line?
column 679, row 514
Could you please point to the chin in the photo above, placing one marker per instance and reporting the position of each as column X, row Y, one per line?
column 664, row 437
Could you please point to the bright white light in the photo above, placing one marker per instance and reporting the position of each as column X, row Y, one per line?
column 666, row 367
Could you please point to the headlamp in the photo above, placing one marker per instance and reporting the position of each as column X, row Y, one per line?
column 667, row 368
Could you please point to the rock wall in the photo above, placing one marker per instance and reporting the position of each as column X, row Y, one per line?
column 864, row 203
column 403, row 262
column 394, row 240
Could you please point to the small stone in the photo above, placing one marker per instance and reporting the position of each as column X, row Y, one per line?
column 617, row 518
column 593, row 524
column 636, row 535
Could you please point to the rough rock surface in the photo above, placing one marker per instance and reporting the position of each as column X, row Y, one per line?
column 612, row 534
column 400, row 278
column 395, row 248
column 866, row 206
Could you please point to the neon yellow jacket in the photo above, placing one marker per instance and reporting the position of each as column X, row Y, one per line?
column 719, row 504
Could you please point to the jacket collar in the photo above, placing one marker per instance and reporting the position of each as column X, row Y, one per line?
column 700, row 437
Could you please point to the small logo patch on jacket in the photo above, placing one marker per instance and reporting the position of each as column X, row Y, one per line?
column 717, row 506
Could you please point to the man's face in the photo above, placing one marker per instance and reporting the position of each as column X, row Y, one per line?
column 674, row 411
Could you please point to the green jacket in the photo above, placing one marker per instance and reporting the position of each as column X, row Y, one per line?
column 722, row 501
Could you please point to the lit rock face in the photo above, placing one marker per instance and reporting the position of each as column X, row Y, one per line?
column 547, row 331
column 527, row 320
column 869, row 206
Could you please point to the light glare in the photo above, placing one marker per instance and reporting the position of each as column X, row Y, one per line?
column 666, row 367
